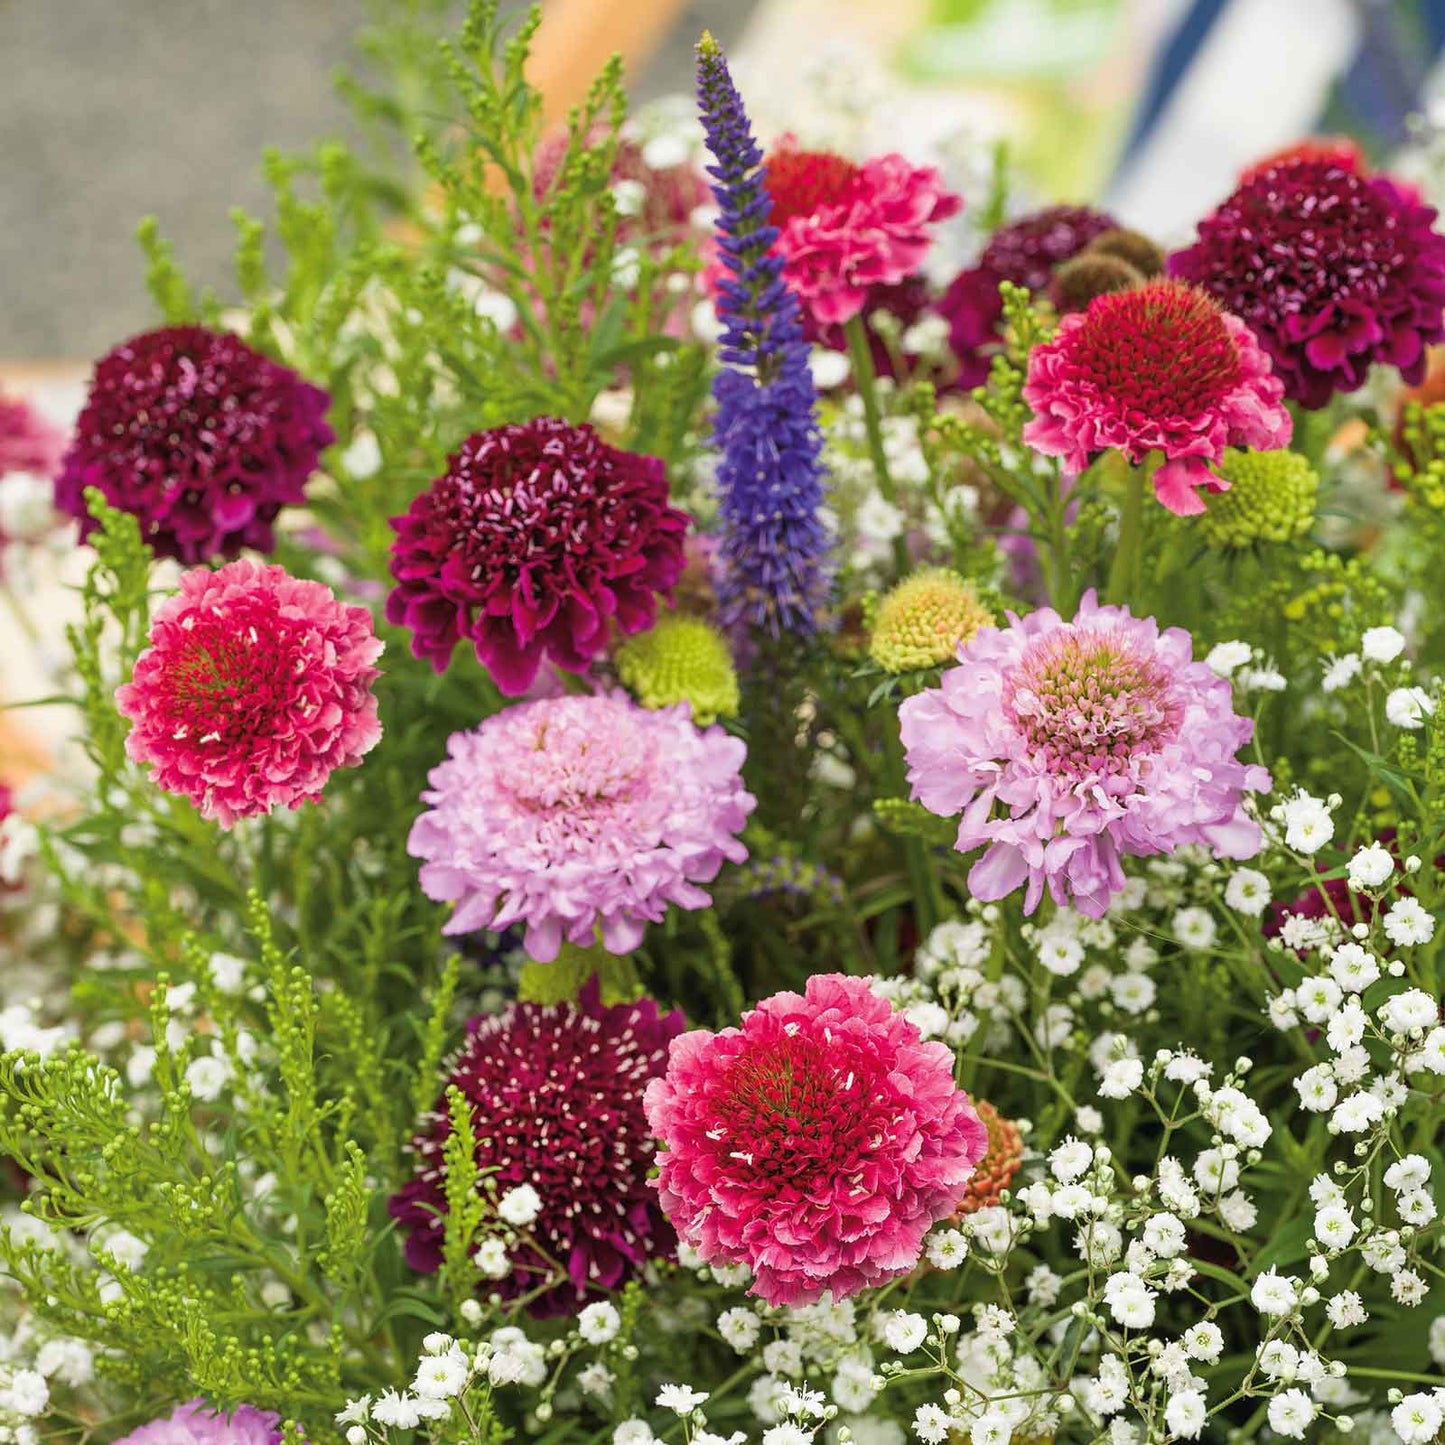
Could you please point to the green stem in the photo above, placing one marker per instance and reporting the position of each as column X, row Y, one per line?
column 923, row 881
column 1131, row 525
column 866, row 380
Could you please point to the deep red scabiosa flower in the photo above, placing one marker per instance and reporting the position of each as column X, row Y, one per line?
column 1333, row 269
column 556, row 1093
column 1157, row 368
column 1067, row 746
column 1026, row 252
column 817, row 1144
column 845, row 228
column 1340, row 151
column 577, row 816
column 256, row 687
column 200, row 438
column 536, row 542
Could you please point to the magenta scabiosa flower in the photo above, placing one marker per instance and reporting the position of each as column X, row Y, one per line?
column 255, row 688
column 772, row 559
column 1332, row 268
column 1068, row 746
column 1026, row 252
column 30, row 452
column 202, row 439
column 196, row 1423
column 817, row 1144
column 579, row 815
column 536, row 541
column 1156, row 368
column 556, row 1093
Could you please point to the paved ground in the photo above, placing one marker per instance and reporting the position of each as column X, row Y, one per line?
column 113, row 109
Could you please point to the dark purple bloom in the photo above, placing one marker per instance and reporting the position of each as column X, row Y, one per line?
column 557, row 1099
column 770, row 476
column 200, row 438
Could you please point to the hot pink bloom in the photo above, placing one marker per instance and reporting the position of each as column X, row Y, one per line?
column 534, row 544
column 1070, row 745
column 28, row 443
column 255, row 688
column 1156, row 368
column 817, row 1144
column 574, row 814
column 844, row 229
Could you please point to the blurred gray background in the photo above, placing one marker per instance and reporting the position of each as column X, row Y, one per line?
column 114, row 109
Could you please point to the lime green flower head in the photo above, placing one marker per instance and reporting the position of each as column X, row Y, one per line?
column 1271, row 499
column 922, row 621
column 683, row 659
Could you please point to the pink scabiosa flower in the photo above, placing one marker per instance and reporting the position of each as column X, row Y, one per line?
column 817, row 1144
column 1068, row 746
column 1156, row 368
column 1333, row 269
column 574, row 815
column 255, row 688
column 30, row 452
column 1026, row 252
column 200, row 438
column 196, row 1423
column 556, row 1093
column 845, row 229
column 536, row 541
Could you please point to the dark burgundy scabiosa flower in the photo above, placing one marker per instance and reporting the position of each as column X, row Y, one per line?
column 557, row 1099
column 1026, row 252
column 1334, row 270
column 199, row 437
column 536, row 541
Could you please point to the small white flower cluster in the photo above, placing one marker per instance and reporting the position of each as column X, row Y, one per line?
column 34, row 1367
column 1380, row 664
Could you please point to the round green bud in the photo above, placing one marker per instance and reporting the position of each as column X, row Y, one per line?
column 683, row 659
column 1271, row 498
column 922, row 621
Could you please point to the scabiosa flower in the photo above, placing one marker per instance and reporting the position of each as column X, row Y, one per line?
column 816, row 1144
column 1093, row 740
column 922, row 621
column 772, row 558
column 1332, row 269
column 255, row 688
column 845, row 229
column 1026, row 252
column 557, row 1099
column 535, row 542
column 28, row 443
column 578, row 814
column 1156, row 368
column 200, row 438
column 1271, row 498
column 997, row 1167
column 683, row 659
column 196, row 1423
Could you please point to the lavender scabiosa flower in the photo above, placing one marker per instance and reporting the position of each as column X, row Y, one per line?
column 769, row 475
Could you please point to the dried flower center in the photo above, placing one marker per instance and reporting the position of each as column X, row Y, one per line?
column 801, row 182
column 1091, row 702
column 1159, row 350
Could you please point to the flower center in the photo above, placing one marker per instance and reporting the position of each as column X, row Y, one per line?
column 1161, row 350
column 801, row 182
column 1091, row 703
column 578, row 757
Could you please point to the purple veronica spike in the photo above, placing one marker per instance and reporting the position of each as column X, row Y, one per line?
column 774, row 544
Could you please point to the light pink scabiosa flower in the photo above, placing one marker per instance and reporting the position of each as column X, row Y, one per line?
column 196, row 1423
column 255, row 688
column 1070, row 745
column 574, row 814
column 817, row 1144
column 1156, row 368
column 844, row 229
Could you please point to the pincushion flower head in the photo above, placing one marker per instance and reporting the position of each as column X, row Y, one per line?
column 535, row 543
column 816, row 1144
column 557, row 1099
column 578, row 815
column 30, row 452
column 196, row 1423
column 1332, row 268
column 1068, row 746
column 846, row 228
column 199, row 437
column 1159, row 368
column 256, row 687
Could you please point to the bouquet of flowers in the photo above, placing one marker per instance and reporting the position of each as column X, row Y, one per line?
column 696, row 833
